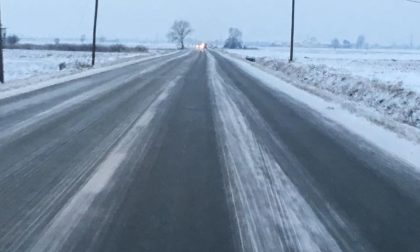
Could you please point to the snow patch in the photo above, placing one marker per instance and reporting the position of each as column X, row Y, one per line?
column 270, row 212
column 386, row 65
column 53, row 77
column 103, row 89
column 389, row 141
column 63, row 224
column 359, row 82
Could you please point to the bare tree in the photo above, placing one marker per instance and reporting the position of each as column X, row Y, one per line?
column 180, row 30
column 346, row 44
column 235, row 39
column 335, row 43
column 57, row 41
column 361, row 41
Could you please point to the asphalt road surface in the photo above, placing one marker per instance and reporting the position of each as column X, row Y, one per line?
column 187, row 152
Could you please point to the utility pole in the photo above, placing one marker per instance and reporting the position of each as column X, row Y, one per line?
column 1, row 52
column 292, row 40
column 411, row 41
column 94, row 33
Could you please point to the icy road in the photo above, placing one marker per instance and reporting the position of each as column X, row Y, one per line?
column 189, row 153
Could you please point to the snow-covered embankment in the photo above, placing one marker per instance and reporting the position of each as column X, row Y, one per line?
column 390, row 104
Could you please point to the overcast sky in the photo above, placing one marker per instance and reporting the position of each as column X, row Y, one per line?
column 383, row 21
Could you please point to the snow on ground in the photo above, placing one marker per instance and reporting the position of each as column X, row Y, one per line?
column 256, row 199
column 392, row 91
column 159, row 45
column 395, row 66
column 406, row 149
column 28, row 70
column 22, row 64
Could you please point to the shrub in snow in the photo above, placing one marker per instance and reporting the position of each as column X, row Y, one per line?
column 82, row 65
column 390, row 99
column 12, row 40
column 252, row 59
column 62, row 66
column 78, row 47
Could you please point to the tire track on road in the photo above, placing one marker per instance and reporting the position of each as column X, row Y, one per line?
column 61, row 227
column 57, row 169
column 364, row 195
column 175, row 200
column 271, row 213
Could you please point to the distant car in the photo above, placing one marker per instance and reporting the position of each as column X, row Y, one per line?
column 202, row 46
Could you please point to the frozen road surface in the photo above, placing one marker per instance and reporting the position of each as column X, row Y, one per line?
column 189, row 153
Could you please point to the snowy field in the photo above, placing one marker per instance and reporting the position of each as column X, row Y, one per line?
column 24, row 64
column 393, row 66
column 381, row 85
column 127, row 42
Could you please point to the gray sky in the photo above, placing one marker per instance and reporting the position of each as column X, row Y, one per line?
column 383, row 21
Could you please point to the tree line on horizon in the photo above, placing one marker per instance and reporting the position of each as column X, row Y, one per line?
column 179, row 32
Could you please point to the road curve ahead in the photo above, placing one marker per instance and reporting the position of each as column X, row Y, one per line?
column 187, row 152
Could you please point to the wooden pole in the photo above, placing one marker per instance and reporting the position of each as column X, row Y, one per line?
column 1, row 52
column 292, row 40
column 94, row 33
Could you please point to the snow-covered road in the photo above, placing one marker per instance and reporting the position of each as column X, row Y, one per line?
column 195, row 151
